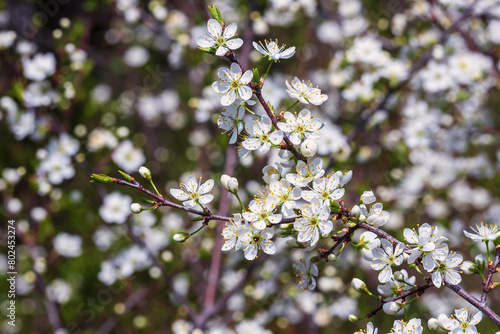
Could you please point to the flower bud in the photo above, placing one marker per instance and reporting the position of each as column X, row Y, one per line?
column 181, row 237
column 293, row 243
column 433, row 324
column 480, row 262
column 391, row 308
column 358, row 285
column 368, row 197
column 362, row 218
column 332, row 258
column 229, row 183
column 353, row 318
column 398, row 276
column 308, row 148
column 356, row 211
column 468, row 267
column 136, row 208
column 145, row 173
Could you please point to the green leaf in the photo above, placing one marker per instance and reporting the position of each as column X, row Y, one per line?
column 215, row 12
column 101, row 178
column 256, row 75
column 126, row 176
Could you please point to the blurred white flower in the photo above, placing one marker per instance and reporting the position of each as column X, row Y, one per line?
column 68, row 245
column 127, row 157
column 39, row 67
column 116, row 208
column 59, row 291
column 136, row 56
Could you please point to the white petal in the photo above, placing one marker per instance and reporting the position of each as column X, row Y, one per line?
column 228, row 98
column 436, row 279
column 246, row 77
column 214, row 28
column 230, row 31
column 276, row 137
column 251, row 252
column 206, row 187
column 179, row 194
column 221, row 50
column 245, row 92
column 235, row 43
column 268, row 246
column 235, row 68
column 205, row 42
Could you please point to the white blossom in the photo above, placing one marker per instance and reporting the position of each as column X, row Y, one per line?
column 305, row 93
column 233, row 84
column 305, row 273
column 314, row 222
column 223, row 41
column 273, row 51
column 384, row 257
column 193, row 194
column 253, row 239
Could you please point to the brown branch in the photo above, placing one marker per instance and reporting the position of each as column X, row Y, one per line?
column 163, row 202
column 258, row 92
column 419, row 290
column 474, row 301
column 492, row 269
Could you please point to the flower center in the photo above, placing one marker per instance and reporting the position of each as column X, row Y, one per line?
column 220, row 40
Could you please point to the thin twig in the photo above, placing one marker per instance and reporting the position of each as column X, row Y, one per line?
column 419, row 290
column 258, row 92
column 492, row 269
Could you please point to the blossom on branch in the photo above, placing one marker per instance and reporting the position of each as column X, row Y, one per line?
column 384, row 257
column 300, row 126
column 463, row 321
column 233, row 84
column 305, row 272
column 219, row 39
column 253, row 239
column 305, row 93
column 314, row 222
column 260, row 136
column 273, row 51
column 193, row 194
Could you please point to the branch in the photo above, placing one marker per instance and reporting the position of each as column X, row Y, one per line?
column 492, row 269
column 258, row 92
column 160, row 201
column 420, row 290
column 474, row 301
